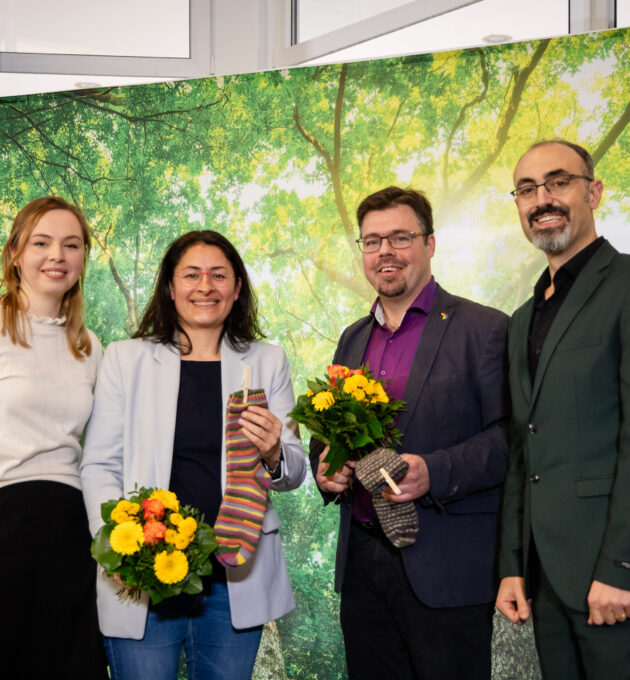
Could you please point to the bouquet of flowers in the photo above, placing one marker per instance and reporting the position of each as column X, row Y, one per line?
column 153, row 544
column 351, row 412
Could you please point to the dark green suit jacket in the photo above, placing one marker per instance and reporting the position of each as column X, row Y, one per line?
column 568, row 482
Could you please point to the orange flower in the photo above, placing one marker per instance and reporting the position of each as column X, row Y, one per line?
column 153, row 509
column 337, row 371
column 154, row 532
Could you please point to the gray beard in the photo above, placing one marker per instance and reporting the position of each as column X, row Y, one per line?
column 552, row 241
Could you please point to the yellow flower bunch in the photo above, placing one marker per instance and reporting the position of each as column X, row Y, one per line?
column 351, row 412
column 365, row 389
column 168, row 498
column 127, row 538
column 185, row 534
column 154, row 543
column 171, row 567
column 125, row 511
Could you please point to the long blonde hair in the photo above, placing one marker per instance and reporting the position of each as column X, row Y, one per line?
column 13, row 311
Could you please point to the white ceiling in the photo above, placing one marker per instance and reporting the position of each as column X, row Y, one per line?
column 160, row 27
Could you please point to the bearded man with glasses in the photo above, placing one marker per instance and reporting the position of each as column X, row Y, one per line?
column 424, row 610
column 565, row 539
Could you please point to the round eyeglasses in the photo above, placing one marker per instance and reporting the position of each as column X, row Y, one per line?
column 555, row 186
column 191, row 277
column 398, row 240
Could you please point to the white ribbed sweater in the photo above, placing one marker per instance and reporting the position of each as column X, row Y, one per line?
column 45, row 401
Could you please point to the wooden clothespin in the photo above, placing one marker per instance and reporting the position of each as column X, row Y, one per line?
column 247, row 374
column 390, row 481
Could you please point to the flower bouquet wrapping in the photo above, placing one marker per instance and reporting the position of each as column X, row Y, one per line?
column 351, row 412
column 153, row 544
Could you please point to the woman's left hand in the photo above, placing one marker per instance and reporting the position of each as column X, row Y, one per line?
column 263, row 430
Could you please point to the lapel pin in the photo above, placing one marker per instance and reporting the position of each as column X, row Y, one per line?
column 444, row 316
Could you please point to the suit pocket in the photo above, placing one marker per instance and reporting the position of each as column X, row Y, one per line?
column 593, row 486
column 573, row 344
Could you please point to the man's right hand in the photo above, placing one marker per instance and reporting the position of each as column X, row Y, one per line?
column 338, row 483
column 511, row 600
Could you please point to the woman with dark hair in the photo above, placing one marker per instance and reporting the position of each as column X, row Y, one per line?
column 158, row 422
column 48, row 365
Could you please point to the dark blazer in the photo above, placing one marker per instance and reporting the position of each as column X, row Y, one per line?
column 456, row 416
column 569, row 476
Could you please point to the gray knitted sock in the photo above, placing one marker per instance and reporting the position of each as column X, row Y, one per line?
column 399, row 521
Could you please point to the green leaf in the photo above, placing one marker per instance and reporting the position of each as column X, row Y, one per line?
column 106, row 510
column 192, row 584
column 205, row 569
column 336, row 458
column 205, row 538
column 102, row 552
column 360, row 440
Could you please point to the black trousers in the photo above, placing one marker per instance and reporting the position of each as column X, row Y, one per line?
column 48, row 624
column 390, row 633
column 568, row 648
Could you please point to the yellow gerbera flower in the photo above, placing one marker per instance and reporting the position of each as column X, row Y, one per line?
column 323, row 400
column 170, row 536
column 171, row 567
column 168, row 498
column 188, row 527
column 127, row 538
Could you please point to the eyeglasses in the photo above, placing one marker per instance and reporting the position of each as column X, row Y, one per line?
column 189, row 279
column 556, row 186
column 398, row 240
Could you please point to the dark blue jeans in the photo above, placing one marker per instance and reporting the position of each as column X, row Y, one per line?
column 214, row 649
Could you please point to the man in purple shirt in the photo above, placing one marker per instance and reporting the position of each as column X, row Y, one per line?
column 425, row 610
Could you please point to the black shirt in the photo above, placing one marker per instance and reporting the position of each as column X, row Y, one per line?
column 545, row 311
column 196, row 467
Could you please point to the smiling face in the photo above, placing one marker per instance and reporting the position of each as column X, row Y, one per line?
column 558, row 225
column 203, row 288
column 51, row 261
column 397, row 274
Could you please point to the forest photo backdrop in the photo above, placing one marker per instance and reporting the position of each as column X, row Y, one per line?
column 278, row 161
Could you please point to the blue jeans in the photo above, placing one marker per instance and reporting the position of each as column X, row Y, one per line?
column 203, row 628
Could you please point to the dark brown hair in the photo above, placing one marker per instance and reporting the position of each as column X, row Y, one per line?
column 390, row 197
column 161, row 322
column 14, row 319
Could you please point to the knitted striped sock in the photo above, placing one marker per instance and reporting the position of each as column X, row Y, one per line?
column 240, row 518
column 399, row 521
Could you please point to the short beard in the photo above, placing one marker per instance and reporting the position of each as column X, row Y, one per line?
column 552, row 240
column 395, row 292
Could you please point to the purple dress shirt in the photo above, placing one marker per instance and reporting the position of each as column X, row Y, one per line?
column 390, row 357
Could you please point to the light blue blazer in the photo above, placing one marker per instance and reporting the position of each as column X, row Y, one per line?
column 130, row 440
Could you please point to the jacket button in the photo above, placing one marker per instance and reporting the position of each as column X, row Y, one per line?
column 535, row 478
column 532, row 429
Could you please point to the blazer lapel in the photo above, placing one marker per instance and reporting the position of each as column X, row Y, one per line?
column 519, row 363
column 434, row 331
column 584, row 286
column 169, row 361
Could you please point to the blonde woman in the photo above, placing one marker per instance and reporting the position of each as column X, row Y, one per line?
column 48, row 365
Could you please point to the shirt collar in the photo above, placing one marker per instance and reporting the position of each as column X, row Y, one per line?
column 569, row 269
column 422, row 303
